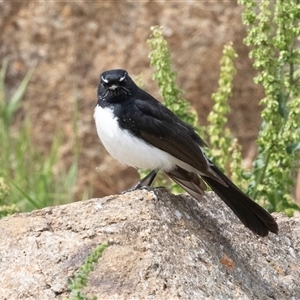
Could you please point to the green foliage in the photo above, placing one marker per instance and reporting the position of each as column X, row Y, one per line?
column 33, row 180
column 220, row 136
column 273, row 33
column 224, row 149
column 160, row 58
column 5, row 207
column 81, row 277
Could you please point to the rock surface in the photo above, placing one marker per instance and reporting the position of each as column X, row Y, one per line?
column 161, row 246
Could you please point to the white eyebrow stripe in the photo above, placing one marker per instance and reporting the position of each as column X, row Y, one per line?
column 122, row 78
column 105, row 80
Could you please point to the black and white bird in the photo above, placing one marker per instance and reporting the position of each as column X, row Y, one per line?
column 139, row 131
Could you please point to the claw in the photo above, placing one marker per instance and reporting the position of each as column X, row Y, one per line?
column 144, row 183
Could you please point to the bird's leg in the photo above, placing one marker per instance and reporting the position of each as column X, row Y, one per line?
column 150, row 177
column 144, row 182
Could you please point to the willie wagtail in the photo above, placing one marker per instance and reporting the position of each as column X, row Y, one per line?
column 139, row 131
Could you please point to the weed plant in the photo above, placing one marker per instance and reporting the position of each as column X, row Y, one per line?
column 79, row 282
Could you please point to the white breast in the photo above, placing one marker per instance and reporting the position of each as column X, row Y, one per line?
column 125, row 147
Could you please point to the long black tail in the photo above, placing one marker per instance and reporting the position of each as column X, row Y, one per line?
column 250, row 213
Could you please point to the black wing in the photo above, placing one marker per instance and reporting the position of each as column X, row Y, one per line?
column 160, row 127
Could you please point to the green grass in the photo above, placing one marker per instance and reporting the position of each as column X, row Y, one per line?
column 29, row 179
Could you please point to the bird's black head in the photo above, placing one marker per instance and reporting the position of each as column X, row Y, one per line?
column 114, row 85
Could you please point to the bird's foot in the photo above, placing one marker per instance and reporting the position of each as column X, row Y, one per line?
column 144, row 184
column 134, row 188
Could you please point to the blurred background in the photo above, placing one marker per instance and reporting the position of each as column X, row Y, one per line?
column 70, row 44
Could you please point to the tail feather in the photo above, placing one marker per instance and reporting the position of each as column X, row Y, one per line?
column 250, row 213
column 189, row 181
